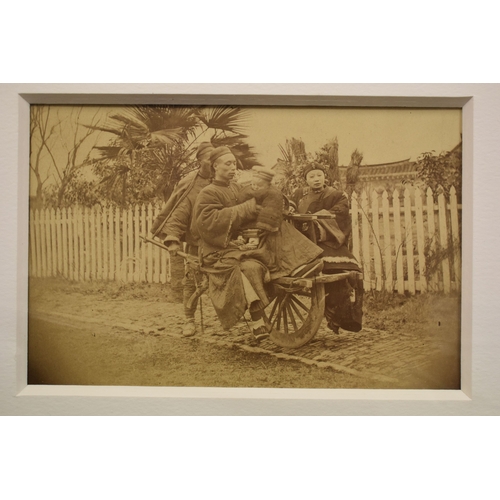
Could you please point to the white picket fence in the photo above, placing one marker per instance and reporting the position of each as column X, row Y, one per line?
column 98, row 243
column 405, row 242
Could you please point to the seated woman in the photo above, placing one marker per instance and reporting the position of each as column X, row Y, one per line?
column 344, row 299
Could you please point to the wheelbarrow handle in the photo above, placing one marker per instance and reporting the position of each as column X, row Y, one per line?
column 161, row 245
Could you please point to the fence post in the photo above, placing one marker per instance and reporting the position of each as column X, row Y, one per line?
column 64, row 216
column 110, row 254
column 105, row 241
column 431, row 228
column 365, row 235
column 82, row 248
column 137, row 258
column 377, row 249
column 130, row 246
column 87, row 229
column 38, row 234
column 53, row 240
column 156, row 251
column 443, row 236
column 71, row 244
column 419, row 219
column 409, row 241
column 45, row 243
column 93, row 241
column 355, row 226
column 143, row 245
column 33, row 268
column 59, row 242
column 389, row 286
column 119, row 241
column 455, row 234
column 398, row 242
column 98, row 225
column 150, row 249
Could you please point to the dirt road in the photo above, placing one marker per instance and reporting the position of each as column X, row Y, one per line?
column 110, row 335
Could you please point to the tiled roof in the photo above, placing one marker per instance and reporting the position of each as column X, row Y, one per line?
column 402, row 168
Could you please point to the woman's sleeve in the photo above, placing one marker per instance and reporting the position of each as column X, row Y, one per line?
column 338, row 204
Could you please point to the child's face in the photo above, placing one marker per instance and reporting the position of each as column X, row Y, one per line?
column 259, row 185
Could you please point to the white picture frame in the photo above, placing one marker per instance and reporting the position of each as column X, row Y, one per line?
column 480, row 380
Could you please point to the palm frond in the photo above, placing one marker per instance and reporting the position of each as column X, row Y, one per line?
column 110, row 152
column 137, row 127
column 166, row 117
column 108, row 128
column 130, row 119
column 166, row 136
column 243, row 152
column 285, row 154
column 229, row 119
column 298, row 149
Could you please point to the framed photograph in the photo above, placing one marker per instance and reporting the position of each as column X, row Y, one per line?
column 238, row 243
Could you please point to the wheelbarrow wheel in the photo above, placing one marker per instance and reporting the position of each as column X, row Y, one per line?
column 296, row 315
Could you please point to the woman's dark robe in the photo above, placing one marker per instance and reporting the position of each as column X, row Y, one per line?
column 330, row 235
column 344, row 301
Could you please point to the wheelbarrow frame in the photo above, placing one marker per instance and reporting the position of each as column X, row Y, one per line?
column 297, row 306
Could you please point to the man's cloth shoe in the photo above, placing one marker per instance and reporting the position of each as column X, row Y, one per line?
column 261, row 329
column 260, row 333
column 189, row 329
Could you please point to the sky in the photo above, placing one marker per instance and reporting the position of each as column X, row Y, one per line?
column 381, row 135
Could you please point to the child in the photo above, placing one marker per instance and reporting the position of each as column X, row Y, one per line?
column 271, row 201
column 270, row 239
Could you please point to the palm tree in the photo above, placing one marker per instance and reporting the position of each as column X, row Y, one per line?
column 289, row 166
column 137, row 130
column 160, row 141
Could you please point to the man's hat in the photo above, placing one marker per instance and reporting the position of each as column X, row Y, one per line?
column 218, row 152
column 204, row 148
column 263, row 172
column 313, row 166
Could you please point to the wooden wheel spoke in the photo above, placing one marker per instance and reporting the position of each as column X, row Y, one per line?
column 275, row 314
column 296, row 309
column 285, row 319
column 300, row 303
column 278, row 314
column 273, row 309
column 292, row 317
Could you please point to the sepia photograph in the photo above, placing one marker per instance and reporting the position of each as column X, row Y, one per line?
column 245, row 246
